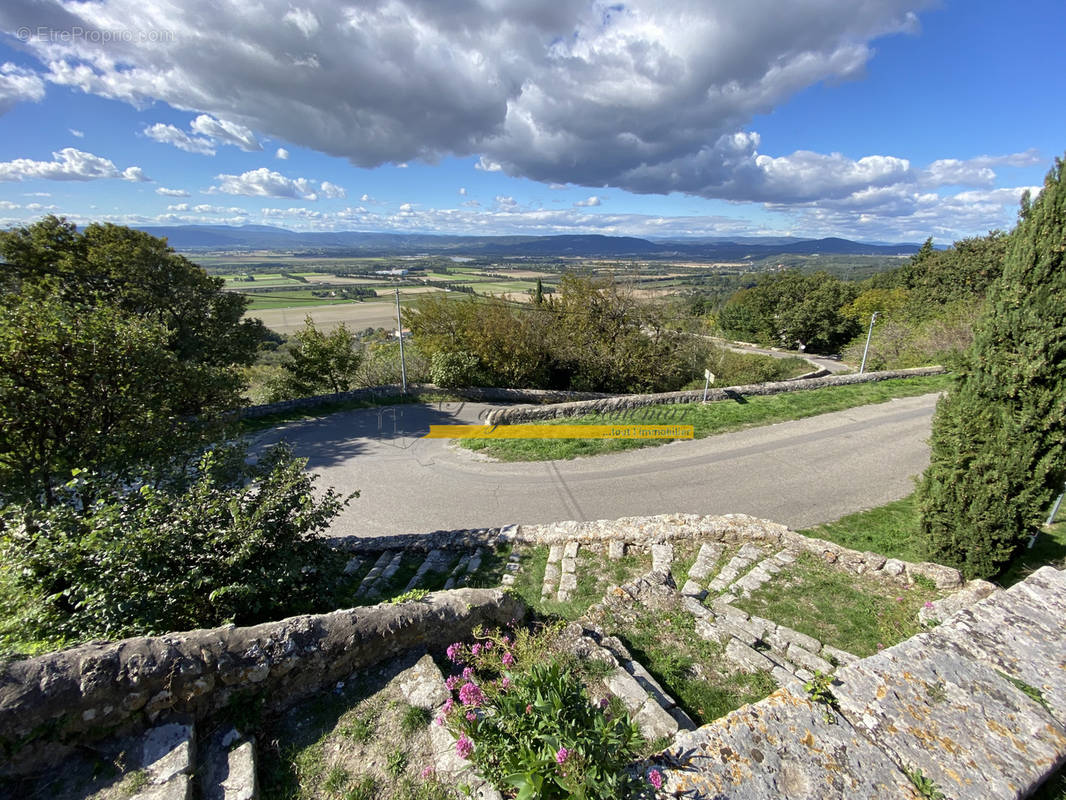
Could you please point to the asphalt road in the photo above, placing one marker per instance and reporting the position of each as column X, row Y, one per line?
column 798, row 473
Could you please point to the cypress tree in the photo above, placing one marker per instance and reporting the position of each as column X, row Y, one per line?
column 998, row 442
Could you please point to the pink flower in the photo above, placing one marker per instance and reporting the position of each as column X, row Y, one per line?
column 452, row 682
column 475, row 649
column 489, row 644
column 655, row 778
column 562, row 755
column 463, row 747
column 507, row 659
column 468, row 673
column 899, row 599
column 604, row 702
column 440, row 720
column 454, row 651
column 505, row 683
column 470, row 695
column 448, row 704
column 928, row 604
column 427, row 772
column 470, row 716
column 529, row 708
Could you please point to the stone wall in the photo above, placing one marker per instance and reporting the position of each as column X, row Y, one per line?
column 607, row 405
column 377, row 393
column 99, row 688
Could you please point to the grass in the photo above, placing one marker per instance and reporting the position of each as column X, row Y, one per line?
column 251, row 425
column 892, row 530
column 856, row 614
column 709, row 419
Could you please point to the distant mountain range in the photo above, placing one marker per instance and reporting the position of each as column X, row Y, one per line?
column 265, row 237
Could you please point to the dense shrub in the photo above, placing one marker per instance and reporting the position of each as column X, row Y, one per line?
column 998, row 443
column 228, row 541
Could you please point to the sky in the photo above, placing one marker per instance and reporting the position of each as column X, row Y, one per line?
column 875, row 120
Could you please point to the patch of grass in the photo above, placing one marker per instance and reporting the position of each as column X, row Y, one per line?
column 359, row 729
column 415, row 718
column 413, row 596
column 1050, row 548
column 923, row 785
column 854, row 613
column 135, row 781
column 336, row 779
column 1054, row 788
column 397, row 763
column 324, row 409
column 718, row 417
column 891, row 530
column 1028, row 690
column 364, row 788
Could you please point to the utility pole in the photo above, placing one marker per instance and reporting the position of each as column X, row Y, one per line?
column 399, row 333
column 867, row 348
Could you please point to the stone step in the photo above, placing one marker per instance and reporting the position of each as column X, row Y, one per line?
column 552, row 572
column 655, row 712
column 473, row 565
column 167, row 757
column 435, row 561
column 737, row 566
column 384, row 576
column 458, row 571
column 760, row 574
column 662, row 556
column 228, row 770
column 375, row 572
column 568, row 572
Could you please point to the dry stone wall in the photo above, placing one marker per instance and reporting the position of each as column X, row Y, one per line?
column 608, row 405
column 103, row 687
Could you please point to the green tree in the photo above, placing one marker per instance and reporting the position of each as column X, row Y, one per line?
column 998, row 443
column 320, row 362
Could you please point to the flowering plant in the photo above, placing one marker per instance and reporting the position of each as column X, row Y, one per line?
column 529, row 727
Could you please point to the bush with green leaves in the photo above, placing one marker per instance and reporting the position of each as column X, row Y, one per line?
column 525, row 720
column 998, row 449
column 226, row 541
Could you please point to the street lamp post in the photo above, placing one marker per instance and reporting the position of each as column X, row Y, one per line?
column 866, row 350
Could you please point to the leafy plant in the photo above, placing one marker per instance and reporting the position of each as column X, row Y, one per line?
column 358, row 730
column 414, row 595
column 1028, row 690
column 415, row 718
column 817, row 688
column 396, row 763
column 530, row 725
column 926, row 787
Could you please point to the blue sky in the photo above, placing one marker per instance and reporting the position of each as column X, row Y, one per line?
column 878, row 120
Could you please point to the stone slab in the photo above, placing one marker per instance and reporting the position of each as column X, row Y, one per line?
column 616, row 549
column 783, row 637
column 167, row 751
column 570, row 551
column 942, row 609
column 177, row 788
column 963, row 725
column 423, row 684
column 1010, row 633
column 708, row 556
column 229, row 771
column 781, row 747
column 654, row 721
column 747, row 658
column 808, row 660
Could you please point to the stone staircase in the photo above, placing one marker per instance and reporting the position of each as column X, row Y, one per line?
column 457, row 568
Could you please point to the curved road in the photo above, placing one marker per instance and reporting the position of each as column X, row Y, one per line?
column 798, row 473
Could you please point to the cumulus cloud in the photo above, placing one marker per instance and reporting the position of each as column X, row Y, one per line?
column 588, row 202
column 282, row 154
column 170, row 134
column 171, row 192
column 263, row 182
column 225, row 132
column 17, row 85
column 69, row 164
column 76, row 133
column 462, row 191
column 585, row 92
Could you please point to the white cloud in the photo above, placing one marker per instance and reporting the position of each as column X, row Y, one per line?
column 488, row 165
column 17, row 85
column 405, row 207
column 263, row 182
column 135, row 175
column 462, row 191
column 69, row 164
column 303, row 20
column 282, row 154
column 170, row 134
column 366, row 199
column 171, row 192
column 225, row 132
column 588, row 202
column 7, row 205
column 77, row 133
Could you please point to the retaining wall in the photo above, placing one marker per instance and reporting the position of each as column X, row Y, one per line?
column 504, row 416
column 97, row 689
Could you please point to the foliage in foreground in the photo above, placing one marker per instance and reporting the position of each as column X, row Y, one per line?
column 231, row 542
column 528, row 725
column 998, row 447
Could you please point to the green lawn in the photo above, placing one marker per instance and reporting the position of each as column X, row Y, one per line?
column 892, row 530
column 709, row 419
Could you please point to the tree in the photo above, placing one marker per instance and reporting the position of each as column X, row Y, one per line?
column 116, row 354
column 998, row 443
column 320, row 363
